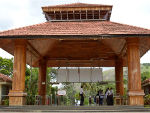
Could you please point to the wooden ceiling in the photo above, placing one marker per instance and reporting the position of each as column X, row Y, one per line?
column 76, row 52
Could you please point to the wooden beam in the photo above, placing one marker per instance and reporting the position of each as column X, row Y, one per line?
column 67, row 16
column 47, row 17
column 99, row 14
column 80, row 14
column 53, row 44
column 81, row 63
column 60, row 15
column 93, row 14
column 123, row 51
column 86, row 15
column 33, row 50
column 109, row 48
column 144, row 45
column 54, row 15
column 42, row 80
column 4, row 42
column 119, row 77
column 46, row 9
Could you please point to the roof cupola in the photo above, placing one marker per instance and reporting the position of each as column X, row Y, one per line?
column 77, row 12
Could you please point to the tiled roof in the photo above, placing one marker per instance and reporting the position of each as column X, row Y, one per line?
column 5, row 78
column 75, row 28
column 77, row 5
column 146, row 81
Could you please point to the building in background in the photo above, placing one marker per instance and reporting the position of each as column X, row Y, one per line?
column 5, row 86
column 146, row 86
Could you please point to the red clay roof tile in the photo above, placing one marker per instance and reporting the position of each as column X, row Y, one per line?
column 146, row 82
column 75, row 28
column 5, row 78
column 77, row 5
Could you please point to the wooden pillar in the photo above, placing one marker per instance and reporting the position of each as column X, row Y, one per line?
column 119, row 77
column 17, row 94
column 42, row 80
column 135, row 93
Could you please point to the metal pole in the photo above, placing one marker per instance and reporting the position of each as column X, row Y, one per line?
column 55, row 98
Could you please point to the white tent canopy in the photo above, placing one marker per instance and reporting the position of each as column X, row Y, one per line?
column 79, row 75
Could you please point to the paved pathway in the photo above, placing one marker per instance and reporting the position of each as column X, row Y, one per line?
column 72, row 109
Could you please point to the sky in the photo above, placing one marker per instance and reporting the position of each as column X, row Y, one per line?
column 19, row 13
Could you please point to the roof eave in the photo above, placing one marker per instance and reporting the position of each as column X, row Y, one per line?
column 78, row 36
column 47, row 9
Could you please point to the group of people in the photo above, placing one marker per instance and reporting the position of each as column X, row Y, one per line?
column 100, row 97
column 109, row 96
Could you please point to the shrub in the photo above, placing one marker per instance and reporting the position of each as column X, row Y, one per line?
column 147, row 100
column 6, row 102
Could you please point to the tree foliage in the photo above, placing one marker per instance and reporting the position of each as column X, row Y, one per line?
column 70, row 93
column 6, row 66
column 145, row 71
column 145, row 75
column 31, row 82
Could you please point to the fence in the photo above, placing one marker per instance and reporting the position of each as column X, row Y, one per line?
column 37, row 100
column 56, row 101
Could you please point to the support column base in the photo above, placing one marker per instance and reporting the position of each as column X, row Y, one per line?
column 135, row 98
column 17, row 98
column 43, row 99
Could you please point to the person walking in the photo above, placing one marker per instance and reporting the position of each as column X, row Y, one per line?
column 97, row 98
column 101, row 97
column 90, row 100
column 81, row 96
column 111, row 97
column 107, row 95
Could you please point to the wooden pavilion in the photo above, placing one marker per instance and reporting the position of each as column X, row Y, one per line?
column 77, row 35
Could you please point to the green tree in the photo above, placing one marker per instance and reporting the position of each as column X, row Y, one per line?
column 50, row 77
column 31, row 81
column 6, row 66
column 70, row 93
column 145, row 75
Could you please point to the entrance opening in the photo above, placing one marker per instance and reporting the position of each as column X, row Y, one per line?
column 64, row 87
